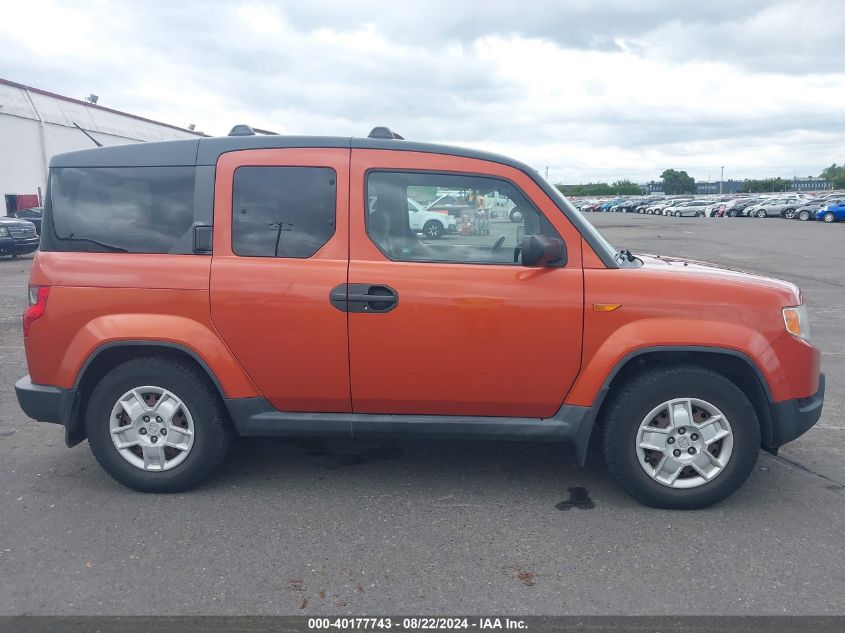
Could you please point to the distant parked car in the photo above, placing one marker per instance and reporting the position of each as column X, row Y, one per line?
column 32, row 215
column 693, row 208
column 774, row 207
column 737, row 210
column 669, row 208
column 834, row 211
column 808, row 210
column 644, row 204
column 17, row 237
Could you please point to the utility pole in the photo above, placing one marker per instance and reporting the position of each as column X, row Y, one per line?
column 721, row 180
column 547, row 172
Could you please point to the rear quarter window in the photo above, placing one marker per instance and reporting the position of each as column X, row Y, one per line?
column 121, row 209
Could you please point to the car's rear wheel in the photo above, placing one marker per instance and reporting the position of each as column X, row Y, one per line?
column 680, row 437
column 433, row 230
column 804, row 216
column 789, row 214
column 515, row 215
column 829, row 217
column 157, row 424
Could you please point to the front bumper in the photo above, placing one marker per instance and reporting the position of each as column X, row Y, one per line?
column 793, row 418
column 11, row 246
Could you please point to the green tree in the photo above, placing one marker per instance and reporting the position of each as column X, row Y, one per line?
column 675, row 182
column 765, row 185
column 626, row 188
column 838, row 181
column 618, row 188
column 833, row 172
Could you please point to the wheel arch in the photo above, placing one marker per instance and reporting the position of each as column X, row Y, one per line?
column 108, row 355
column 736, row 366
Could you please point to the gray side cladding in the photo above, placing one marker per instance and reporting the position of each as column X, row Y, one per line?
column 206, row 151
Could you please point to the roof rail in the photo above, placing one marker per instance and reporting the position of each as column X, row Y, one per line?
column 246, row 130
column 384, row 132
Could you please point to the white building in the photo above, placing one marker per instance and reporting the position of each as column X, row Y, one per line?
column 36, row 124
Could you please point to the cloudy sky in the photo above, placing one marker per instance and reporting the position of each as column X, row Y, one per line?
column 593, row 90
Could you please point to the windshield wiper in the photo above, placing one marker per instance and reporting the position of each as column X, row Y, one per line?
column 109, row 247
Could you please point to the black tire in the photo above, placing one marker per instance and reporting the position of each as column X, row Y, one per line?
column 829, row 217
column 804, row 216
column 677, row 214
column 213, row 432
column 633, row 401
column 789, row 214
column 433, row 230
column 515, row 215
column 762, row 213
column 731, row 213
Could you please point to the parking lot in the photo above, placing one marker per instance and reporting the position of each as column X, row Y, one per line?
column 303, row 527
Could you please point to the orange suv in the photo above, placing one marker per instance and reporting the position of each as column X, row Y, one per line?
column 189, row 292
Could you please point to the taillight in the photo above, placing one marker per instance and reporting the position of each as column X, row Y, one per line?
column 37, row 306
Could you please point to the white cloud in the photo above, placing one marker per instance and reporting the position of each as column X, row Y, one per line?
column 595, row 92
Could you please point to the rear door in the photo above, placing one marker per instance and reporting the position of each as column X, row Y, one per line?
column 453, row 325
column 280, row 246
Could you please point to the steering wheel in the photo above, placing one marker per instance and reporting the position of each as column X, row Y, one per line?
column 497, row 245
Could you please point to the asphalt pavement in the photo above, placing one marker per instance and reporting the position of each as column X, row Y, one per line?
column 314, row 527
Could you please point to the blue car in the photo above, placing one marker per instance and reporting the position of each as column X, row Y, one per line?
column 833, row 211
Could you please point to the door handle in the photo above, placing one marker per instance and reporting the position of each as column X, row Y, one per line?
column 364, row 298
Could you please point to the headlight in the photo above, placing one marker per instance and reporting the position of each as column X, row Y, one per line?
column 797, row 321
column 3, row 231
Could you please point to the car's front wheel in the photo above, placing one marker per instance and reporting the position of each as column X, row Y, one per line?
column 804, row 216
column 433, row 230
column 761, row 213
column 789, row 214
column 680, row 437
column 515, row 215
column 156, row 424
column 829, row 217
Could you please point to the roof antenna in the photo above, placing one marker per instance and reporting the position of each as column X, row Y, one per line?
column 93, row 140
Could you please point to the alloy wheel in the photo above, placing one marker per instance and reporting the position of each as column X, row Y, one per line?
column 684, row 443
column 151, row 428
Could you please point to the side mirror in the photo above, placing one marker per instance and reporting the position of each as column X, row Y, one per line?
column 539, row 251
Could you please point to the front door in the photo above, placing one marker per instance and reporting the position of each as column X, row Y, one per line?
column 454, row 324
column 280, row 246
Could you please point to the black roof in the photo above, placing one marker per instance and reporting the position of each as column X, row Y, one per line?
column 206, row 151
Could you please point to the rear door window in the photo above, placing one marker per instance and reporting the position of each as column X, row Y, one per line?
column 122, row 209
column 282, row 211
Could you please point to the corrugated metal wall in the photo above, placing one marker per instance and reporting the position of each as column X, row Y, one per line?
column 34, row 126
